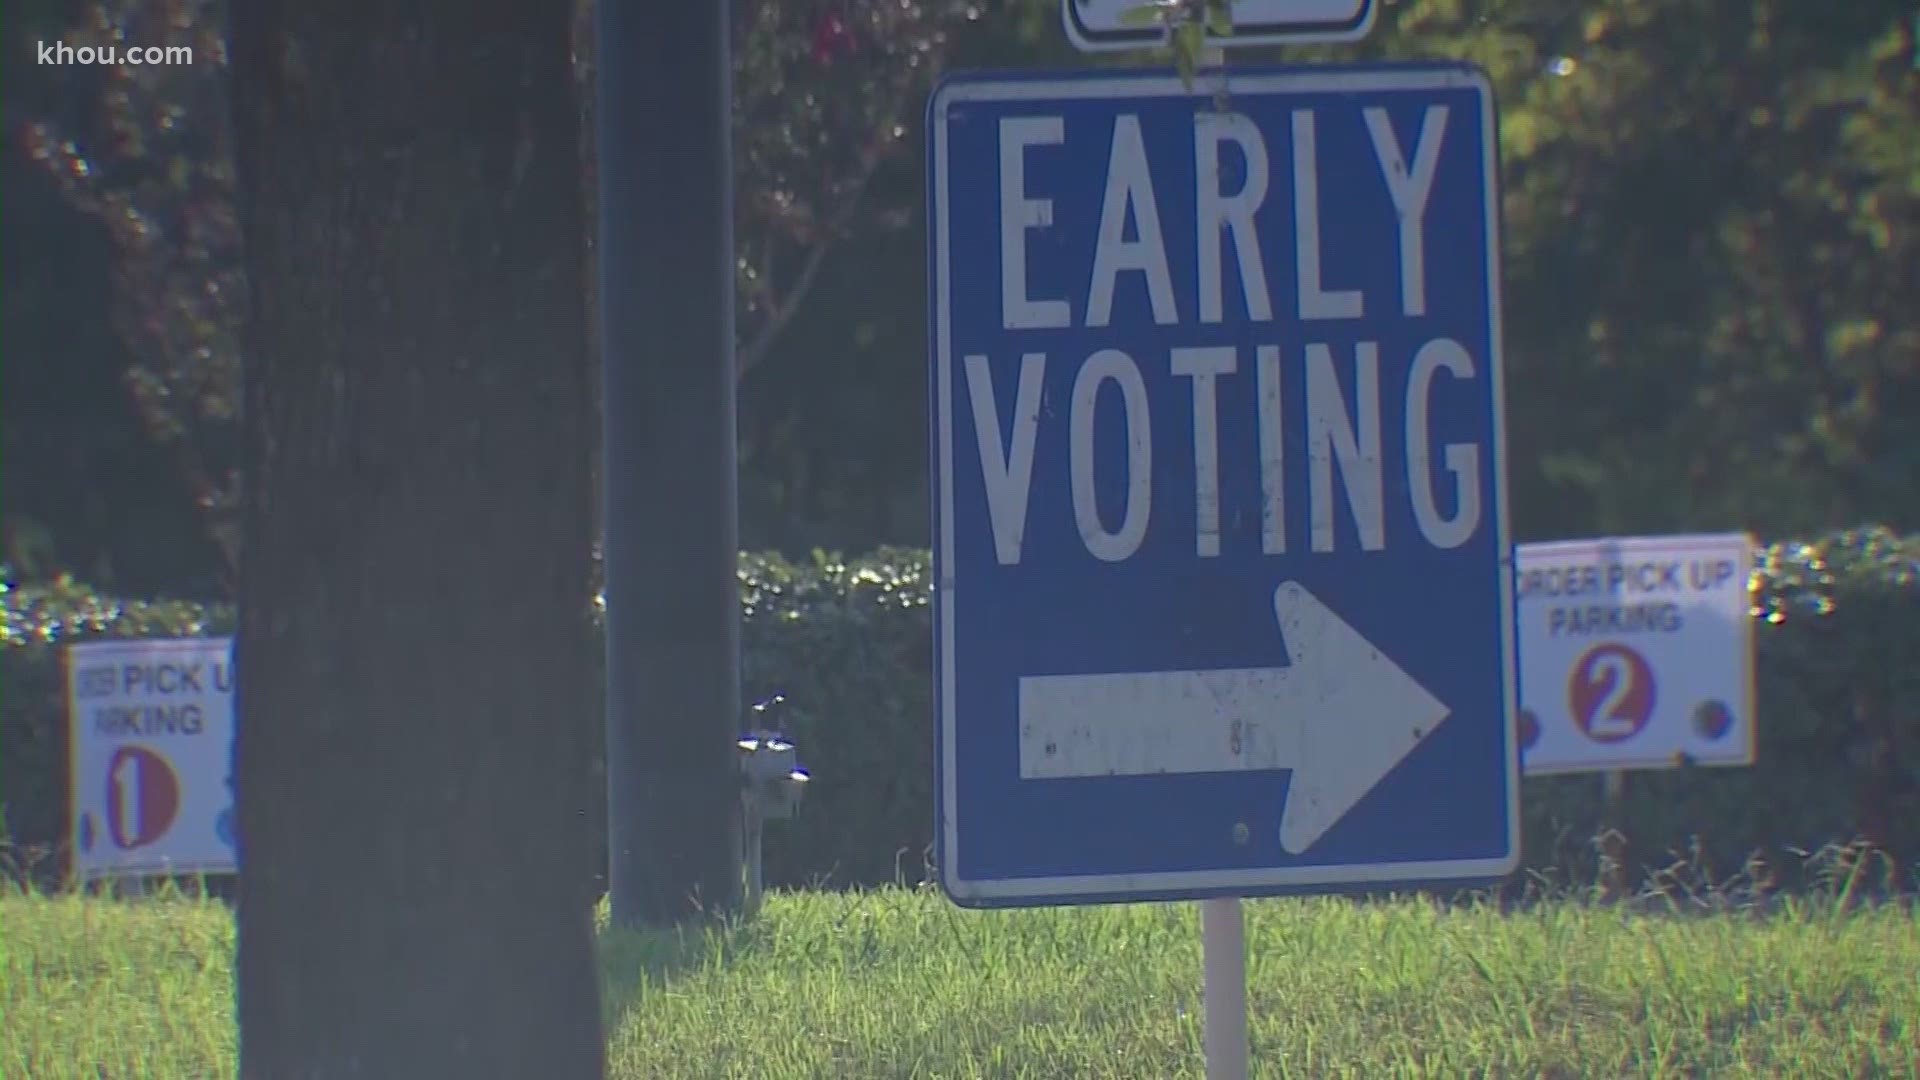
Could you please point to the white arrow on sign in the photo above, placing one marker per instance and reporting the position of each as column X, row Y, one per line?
column 1340, row 716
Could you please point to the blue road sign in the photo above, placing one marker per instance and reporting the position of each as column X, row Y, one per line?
column 1224, row 591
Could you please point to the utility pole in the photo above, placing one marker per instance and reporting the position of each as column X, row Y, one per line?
column 664, row 119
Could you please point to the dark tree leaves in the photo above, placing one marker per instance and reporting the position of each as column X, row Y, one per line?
column 824, row 93
column 153, row 165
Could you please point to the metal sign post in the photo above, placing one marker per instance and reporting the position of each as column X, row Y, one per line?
column 1223, row 935
column 1217, row 426
column 1131, row 25
column 1223, row 947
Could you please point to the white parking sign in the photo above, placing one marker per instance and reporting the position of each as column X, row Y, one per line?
column 152, row 737
column 1635, row 653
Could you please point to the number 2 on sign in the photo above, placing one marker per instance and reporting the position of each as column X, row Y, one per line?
column 1610, row 693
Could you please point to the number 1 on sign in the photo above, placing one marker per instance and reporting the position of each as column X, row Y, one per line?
column 143, row 797
column 125, row 778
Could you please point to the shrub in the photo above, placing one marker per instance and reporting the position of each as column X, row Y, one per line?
column 849, row 642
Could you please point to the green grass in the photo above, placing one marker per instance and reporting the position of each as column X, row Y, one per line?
column 897, row 983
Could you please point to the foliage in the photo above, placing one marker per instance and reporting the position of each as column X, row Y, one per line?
column 155, row 170
column 899, row 983
column 1711, row 212
column 849, row 643
column 1713, row 241
column 824, row 92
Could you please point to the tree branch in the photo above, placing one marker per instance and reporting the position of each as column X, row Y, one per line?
column 780, row 311
column 783, row 307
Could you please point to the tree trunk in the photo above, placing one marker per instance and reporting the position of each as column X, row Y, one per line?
column 413, row 655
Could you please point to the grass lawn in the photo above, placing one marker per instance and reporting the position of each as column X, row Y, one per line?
column 897, row 984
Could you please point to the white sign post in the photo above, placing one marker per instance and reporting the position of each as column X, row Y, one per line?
column 151, row 726
column 1635, row 653
column 1099, row 26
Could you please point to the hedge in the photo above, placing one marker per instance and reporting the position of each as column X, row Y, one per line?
column 848, row 642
